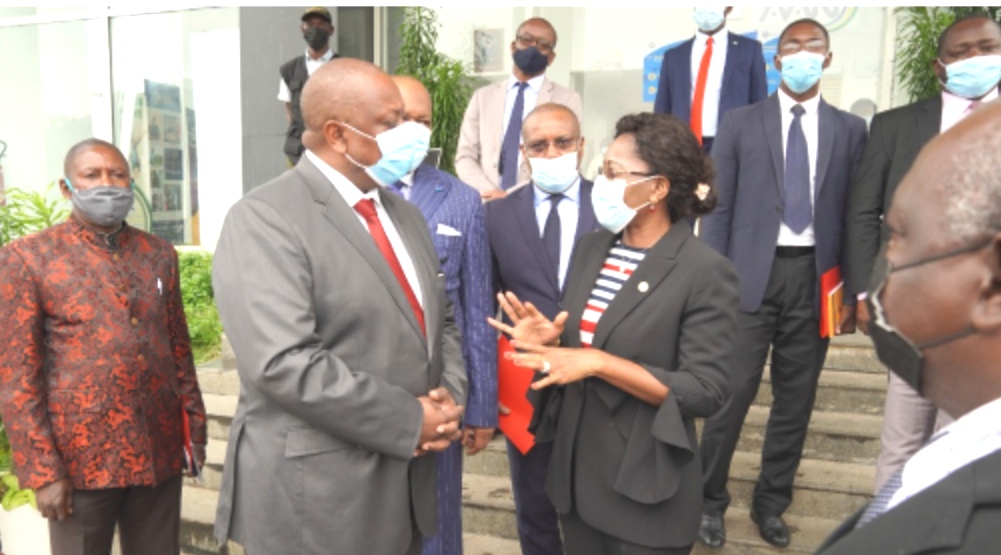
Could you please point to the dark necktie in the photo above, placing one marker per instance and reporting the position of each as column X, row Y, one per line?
column 512, row 139
column 366, row 207
column 551, row 232
column 797, row 212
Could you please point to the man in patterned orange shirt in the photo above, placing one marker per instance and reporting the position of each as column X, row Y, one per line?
column 96, row 372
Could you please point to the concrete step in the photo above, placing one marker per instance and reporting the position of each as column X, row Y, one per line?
column 488, row 506
column 823, row 489
column 213, row 379
column 491, row 461
column 832, row 436
column 220, row 410
column 742, row 536
column 839, row 390
column 197, row 520
column 853, row 355
column 478, row 544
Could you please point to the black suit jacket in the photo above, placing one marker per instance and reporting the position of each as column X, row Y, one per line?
column 959, row 515
column 628, row 468
column 895, row 139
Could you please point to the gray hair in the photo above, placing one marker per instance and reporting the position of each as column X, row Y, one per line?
column 973, row 195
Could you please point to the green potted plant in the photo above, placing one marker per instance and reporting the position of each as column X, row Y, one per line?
column 446, row 79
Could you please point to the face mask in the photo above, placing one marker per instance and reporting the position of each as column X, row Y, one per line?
column 898, row 353
column 973, row 77
column 554, row 175
column 105, row 205
column 708, row 19
column 801, row 71
column 609, row 200
column 403, row 149
column 316, row 38
column 530, row 60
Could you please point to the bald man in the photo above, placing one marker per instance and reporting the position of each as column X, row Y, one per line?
column 455, row 218
column 350, row 367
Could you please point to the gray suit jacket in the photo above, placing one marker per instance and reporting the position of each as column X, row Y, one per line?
column 628, row 468
column 478, row 153
column 331, row 361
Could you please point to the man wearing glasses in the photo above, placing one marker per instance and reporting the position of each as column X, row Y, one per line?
column 488, row 156
column 532, row 232
column 784, row 167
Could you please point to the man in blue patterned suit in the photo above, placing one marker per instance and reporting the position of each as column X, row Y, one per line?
column 455, row 216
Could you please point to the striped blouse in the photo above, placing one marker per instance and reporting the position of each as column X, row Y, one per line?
column 619, row 265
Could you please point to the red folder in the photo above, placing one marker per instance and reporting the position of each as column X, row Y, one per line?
column 832, row 297
column 190, row 464
column 513, row 384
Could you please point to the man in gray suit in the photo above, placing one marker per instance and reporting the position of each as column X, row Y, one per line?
column 349, row 357
column 784, row 167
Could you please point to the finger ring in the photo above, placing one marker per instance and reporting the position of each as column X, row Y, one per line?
column 546, row 367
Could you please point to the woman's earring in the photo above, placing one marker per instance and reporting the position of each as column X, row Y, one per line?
column 653, row 205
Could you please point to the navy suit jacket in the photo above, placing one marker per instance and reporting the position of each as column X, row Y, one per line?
column 744, row 80
column 750, row 175
column 465, row 261
column 521, row 264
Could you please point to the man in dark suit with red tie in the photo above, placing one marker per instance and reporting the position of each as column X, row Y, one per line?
column 710, row 74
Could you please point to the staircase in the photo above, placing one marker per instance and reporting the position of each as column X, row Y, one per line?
column 835, row 477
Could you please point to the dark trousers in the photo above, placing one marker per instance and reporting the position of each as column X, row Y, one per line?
column 582, row 539
column 538, row 525
column 448, row 540
column 148, row 519
column 787, row 321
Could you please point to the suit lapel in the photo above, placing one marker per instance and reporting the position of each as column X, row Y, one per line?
column 771, row 117
column 684, row 75
column 826, row 130
column 493, row 118
column 529, row 227
column 734, row 51
column 428, row 191
column 545, row 92
column 929, row 120
column 586, row 222
column 658, row 262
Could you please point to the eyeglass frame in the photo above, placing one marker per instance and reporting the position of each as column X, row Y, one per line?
column 543, row 146
column 528, row 41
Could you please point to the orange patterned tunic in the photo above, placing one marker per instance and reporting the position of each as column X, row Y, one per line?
column 95, row 358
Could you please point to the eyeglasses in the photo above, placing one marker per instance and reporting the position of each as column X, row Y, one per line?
column 815, row 46
column 526, row 41
column 612, row 174
column 564, row 145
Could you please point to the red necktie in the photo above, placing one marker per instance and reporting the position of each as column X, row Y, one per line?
column 700, row 90
column 366, row 207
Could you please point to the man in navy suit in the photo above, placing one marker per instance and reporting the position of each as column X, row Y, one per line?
column 532, row 232
column 455, row 217
column 784, row 168
column 710, row 74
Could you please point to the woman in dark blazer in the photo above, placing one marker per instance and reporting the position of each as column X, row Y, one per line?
column 641, row 351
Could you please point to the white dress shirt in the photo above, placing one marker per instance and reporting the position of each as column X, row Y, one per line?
column 351, row 195
column 311, row 66
column 811, row 130
column 974, row 436
column 714, row 80
column 531, row 98
column 568, row 209
column 955, row 108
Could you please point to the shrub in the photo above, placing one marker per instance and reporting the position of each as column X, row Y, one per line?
column 204, row 325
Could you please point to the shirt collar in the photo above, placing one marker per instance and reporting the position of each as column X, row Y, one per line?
column 979, row 421
column 408, row 179
column 324, row 58
column 954, row 103
column 535, row 83
column 572, row 193
column 787, row 102
column 351, row 193
column 721, row 37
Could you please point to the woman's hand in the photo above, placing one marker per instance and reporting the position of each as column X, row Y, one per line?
column 561, row 365
column 530, row 325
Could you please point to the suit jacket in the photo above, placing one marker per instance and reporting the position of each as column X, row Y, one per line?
column 465, row 260
column 744, row 80
column 960, row 515
column 895, row 139
column 520, row 261
column 478, row 153
column 628, row 468
column 95, row 361
column 750, row 175
column 331, row 361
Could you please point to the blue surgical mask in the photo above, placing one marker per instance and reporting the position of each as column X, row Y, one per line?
column 608, row 196
column 104, row 205
column 802, row 70
column 403, row 149
column 708, row 19
column 973, row 77
column 554, row 175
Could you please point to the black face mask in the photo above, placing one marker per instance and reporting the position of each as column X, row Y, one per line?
column 901, row 355
column 316, row 38
column 530, row 60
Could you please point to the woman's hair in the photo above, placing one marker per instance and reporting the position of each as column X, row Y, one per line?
column 668, row 146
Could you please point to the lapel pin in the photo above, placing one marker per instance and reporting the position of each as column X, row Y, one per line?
column 643, row 287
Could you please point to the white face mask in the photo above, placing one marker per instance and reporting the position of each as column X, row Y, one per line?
column 554, row 175
column 609, row 200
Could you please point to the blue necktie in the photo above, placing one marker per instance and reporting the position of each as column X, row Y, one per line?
column 797, row 212
column 551, row 233
column 512, row 139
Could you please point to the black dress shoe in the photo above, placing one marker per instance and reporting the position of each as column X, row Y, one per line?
column 772, row 529
column 711, row 530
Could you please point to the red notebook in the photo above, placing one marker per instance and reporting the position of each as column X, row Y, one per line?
column 832, row 297
column 190, row 464
column 513, row 382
